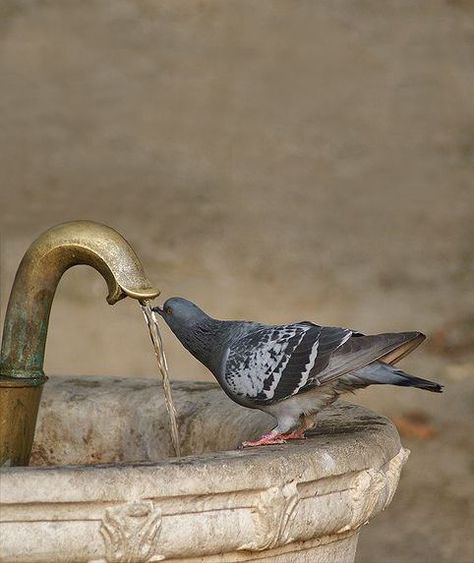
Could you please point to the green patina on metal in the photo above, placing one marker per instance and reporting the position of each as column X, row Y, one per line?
column 27, row 316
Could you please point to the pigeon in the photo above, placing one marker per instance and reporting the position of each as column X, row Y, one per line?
column 290, row 371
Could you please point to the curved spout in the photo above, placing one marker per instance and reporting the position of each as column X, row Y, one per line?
column 56, row 250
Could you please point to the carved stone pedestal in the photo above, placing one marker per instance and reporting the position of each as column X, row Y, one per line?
column 121, row 500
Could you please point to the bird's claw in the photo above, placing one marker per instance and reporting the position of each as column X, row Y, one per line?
column 260, row 442
column 295, row 435
column 272, row 439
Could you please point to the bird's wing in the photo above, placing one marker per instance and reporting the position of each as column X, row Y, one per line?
column 361, row 350
column 272, row 363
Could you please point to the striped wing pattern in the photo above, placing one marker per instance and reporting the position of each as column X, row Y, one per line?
column 275, row 362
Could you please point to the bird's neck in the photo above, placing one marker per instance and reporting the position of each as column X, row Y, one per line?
column 208, row 341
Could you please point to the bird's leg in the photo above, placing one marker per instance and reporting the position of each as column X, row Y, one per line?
column 308, row 422
column 274, row 437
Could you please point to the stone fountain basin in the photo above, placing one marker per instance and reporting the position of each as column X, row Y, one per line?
column 102, row 487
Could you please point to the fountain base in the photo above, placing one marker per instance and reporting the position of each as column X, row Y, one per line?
column 103, row 488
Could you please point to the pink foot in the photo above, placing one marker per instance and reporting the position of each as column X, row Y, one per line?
column 272, row 438
column 295, row 435
column 265, row 440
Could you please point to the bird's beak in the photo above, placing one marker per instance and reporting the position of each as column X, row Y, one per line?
column 158, row 310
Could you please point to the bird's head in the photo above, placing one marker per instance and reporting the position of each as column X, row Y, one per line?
column 179, row 314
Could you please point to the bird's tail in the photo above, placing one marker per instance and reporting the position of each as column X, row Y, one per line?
column 381, row 373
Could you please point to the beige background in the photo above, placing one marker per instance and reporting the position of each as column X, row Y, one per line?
column 274, row 160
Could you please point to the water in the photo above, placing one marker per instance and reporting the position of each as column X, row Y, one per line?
column 163, row 370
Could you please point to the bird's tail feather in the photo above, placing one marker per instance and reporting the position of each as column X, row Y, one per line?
column 407, row 380
column 381, row 373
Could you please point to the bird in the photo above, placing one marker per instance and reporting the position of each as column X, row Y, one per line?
column 290, row 371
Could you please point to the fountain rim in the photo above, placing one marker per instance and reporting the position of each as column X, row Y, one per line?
column 324, row 451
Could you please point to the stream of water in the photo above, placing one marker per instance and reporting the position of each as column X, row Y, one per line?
column 155, row 336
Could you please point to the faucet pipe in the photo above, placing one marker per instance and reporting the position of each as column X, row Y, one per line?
column 27, row 317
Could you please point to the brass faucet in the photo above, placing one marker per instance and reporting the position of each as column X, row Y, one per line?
column 27, row 317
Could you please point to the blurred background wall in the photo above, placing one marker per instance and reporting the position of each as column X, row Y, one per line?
column 273, row 160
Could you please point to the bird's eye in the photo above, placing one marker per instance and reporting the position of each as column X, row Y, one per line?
column 168, row 310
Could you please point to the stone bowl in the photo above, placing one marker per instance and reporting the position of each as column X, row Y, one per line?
column 103, row 487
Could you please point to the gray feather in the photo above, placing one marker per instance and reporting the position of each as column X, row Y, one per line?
column 299, row 364
column 379, row 373
column 359, row 351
